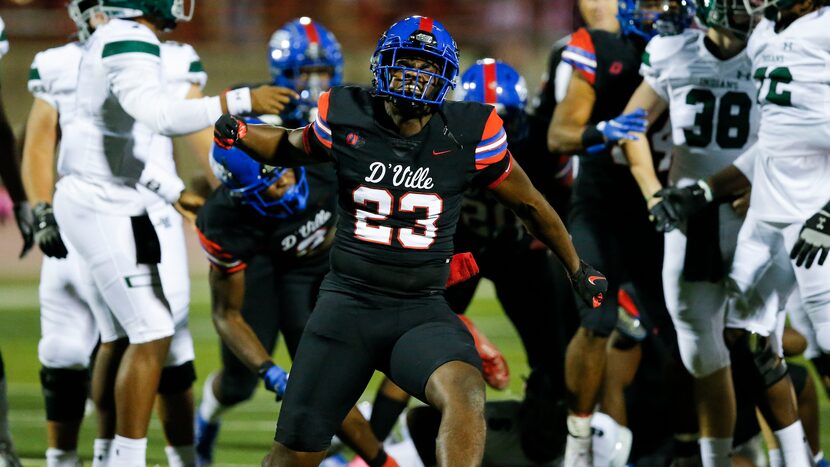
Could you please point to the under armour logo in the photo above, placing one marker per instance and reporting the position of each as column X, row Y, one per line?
column 821, row 221
column 744, row 75
column 788, row 46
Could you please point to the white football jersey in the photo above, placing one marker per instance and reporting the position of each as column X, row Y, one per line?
column 4, row 41
column 53, row 78
column 120, row 84
column 792, row 70
column 711, row 103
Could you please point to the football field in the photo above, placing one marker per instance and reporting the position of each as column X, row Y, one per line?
column 247, row 431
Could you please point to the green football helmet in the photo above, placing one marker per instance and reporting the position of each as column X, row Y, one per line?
column 731, row 15
column 166, row 12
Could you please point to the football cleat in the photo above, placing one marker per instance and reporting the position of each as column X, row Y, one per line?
column 578, row 452
column 611, row 441
column 494, row 366
column 206, row 435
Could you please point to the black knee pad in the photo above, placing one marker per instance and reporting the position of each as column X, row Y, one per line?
column 237, row 387
column 768, row 367
column 822, row 364
column 176, row 379
column 798, row 375
column 64, row 392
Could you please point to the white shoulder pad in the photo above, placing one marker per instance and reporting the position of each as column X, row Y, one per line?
column 52, row 65
column 661, row 54
column 182, row 64
column 4, row 41
column 662, row 51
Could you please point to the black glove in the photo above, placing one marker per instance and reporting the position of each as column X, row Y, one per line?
column 228, row 130
column 47, row 235
column 662, row 217
column 813, row 240
column 677, row 204
column 589, row 284
column 25, row 223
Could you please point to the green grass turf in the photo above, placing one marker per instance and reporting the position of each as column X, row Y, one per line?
column 248, row 429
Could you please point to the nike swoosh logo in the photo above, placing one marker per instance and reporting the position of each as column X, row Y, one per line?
column 591, row 279
column 438, row 153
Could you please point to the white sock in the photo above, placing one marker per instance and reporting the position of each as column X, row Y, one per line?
column 579, row 426
column 59, row 458
column 794, row 447
column 775, row 459
column 819, row 456
column 714, row 452
column 210, row 409
column 128, row 452
column 101, row 452
column 181, row 456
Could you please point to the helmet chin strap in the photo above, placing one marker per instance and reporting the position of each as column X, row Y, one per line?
column 408, row 108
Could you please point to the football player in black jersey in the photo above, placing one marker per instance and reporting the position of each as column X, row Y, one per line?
column 267, row 233
column 531, row 286
column 404, row 159
column 606, row 212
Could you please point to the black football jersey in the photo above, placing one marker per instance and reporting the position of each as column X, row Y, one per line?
column 399, row 198
column 231, row 233
column 610, row 62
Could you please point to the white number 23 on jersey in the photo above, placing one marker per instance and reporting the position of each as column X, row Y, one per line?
column 369, row 228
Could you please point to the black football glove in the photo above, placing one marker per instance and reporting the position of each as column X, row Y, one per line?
column 228, row 130
column 678, row 204
column 25, row 223
column 47, row 234
column 589, row 284
column 814, row 240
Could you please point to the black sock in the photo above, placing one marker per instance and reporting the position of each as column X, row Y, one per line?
column 379, row 460
column 385, row 413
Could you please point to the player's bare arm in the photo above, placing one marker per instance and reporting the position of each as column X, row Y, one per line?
column 730, row 181
column 571, row 117
column 38, row 165
column 638, row 151
column 38, row 174
column 227, row 294
column 199, row 143
column 518, row 193
column 268, row 144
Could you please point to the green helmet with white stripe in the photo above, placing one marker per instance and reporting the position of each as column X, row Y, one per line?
column 164, row 13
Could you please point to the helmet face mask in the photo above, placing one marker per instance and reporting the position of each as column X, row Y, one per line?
column 81, row 12
column 649, row 18
column 415, row 62
column 728, row 15
column 254, row 184
column 306, row 57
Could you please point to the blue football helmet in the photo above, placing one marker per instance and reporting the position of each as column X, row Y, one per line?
column 424, row 38
column 649, row 18
column 304, row 45
column 247, row 179
column 496, row 83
